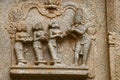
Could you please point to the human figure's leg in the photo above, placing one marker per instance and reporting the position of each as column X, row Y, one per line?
column 39, row 52
column 53, row 51
column 20, row 53
column 86, row 48
column 77, row 51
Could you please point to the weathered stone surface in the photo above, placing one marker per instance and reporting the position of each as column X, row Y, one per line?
column 114, row 37
column 57, row 54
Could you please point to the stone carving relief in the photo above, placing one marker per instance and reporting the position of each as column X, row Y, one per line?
column 21, row 37
column 39, row 36
column 83, row 44
column 61, row 24
column 55, row 34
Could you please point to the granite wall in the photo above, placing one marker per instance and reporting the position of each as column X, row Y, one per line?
column 103, row 60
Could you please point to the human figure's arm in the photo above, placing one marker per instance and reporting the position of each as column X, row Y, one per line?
column 44, row 35
column 80, row 31
column 17, row 37
column 35, row 36
column 52, row 35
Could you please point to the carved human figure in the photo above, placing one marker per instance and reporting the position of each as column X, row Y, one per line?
column 84, row 41
column 21, row 37
column 83, row 45
column 39, row 38
column 55, row 33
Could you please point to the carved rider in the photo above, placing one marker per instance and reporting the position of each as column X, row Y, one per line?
column 55, row 33
column 21, row 37
column 39, row 38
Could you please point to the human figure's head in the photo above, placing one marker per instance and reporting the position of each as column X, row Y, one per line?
column 54, row 25
column 21, row 27
column 37, row 27
column 79, row 16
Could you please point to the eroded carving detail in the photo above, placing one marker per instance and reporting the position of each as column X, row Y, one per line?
column 21, row 37
column 39, row 36
column 55, row 34
column 46, row 35
column 79, row 29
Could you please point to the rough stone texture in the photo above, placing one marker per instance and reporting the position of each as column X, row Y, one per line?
column 113, row 23
column 101, row 66
column 117, row 39
column 111, row 27
column 98, row 58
